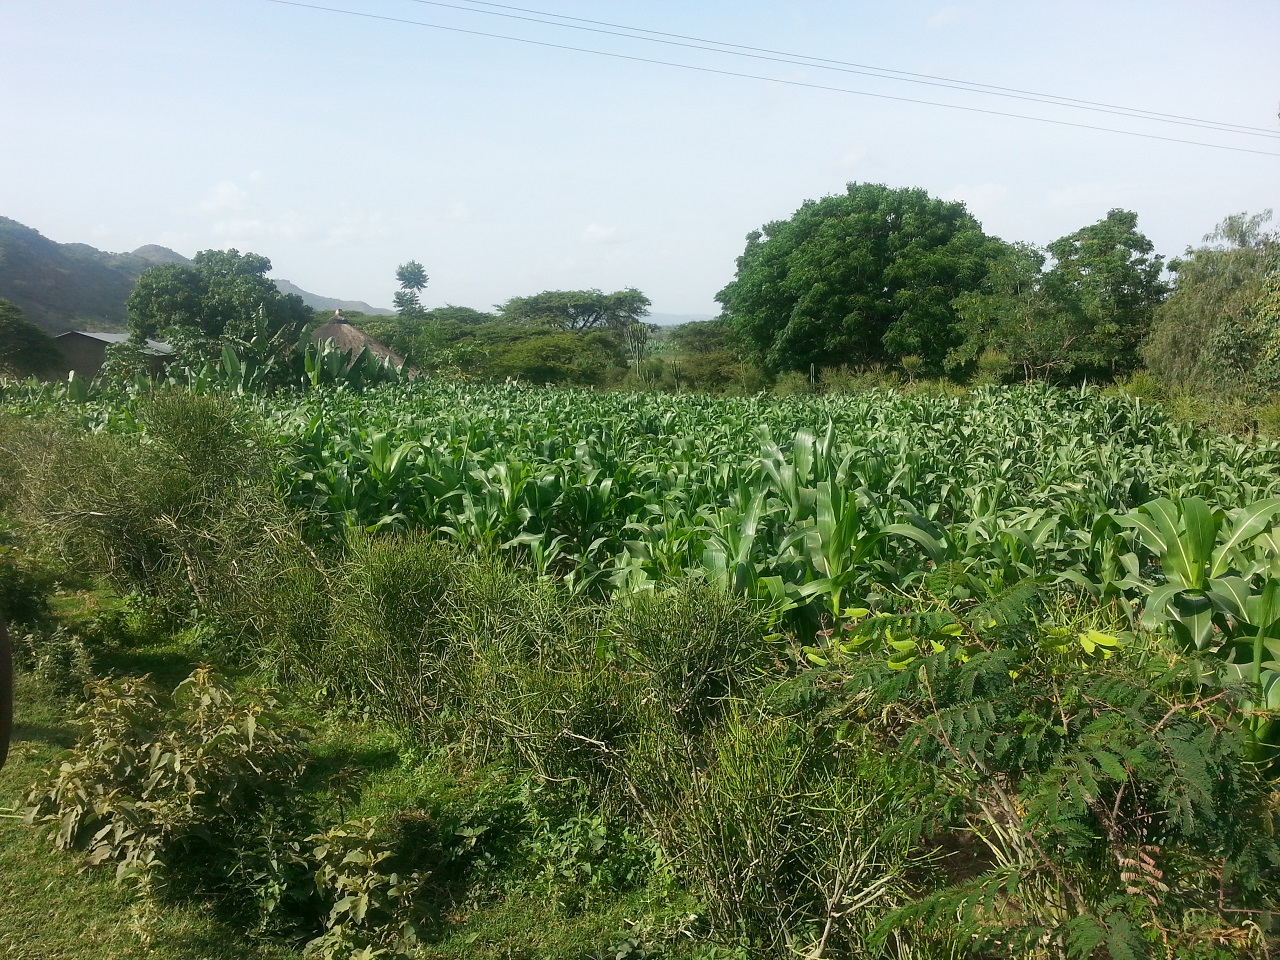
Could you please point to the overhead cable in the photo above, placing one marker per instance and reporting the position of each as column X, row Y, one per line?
column 840, row 66
column 767, row 79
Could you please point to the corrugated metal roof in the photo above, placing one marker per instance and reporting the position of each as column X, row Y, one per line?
column 158, row 347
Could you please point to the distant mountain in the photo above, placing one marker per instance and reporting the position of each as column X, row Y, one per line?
column 156, row 254
column 67, row 286
column 317, row 302
column 73, row 286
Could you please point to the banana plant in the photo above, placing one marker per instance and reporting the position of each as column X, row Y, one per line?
column 1220, row 596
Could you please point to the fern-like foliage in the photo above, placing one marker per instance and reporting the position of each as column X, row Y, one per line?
column 1114, row 808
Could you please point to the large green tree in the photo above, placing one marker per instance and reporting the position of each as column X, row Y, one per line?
column 865, row 276
column 1010, row 322
column 1083, row 317
column 224, row 293
column 1106, row 285
column 24, row 348
column 1201, row 334
column 578, row 310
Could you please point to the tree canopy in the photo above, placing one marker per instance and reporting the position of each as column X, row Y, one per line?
column 1084, row 316
column 1106, row 287
column 861, row 277
column 224, row 293
column 24, row 348
column 1199, row 336
column 577, row 309
column 412, row 277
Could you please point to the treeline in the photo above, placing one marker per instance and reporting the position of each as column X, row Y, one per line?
column 879, row 286
column 904, row 281
column 874, row 286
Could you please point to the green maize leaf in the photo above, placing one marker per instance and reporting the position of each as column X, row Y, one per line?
column 1246, row 522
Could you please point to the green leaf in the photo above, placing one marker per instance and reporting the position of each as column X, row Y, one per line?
column 1246, row 523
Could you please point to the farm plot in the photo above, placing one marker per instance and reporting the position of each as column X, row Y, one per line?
column 785, row 499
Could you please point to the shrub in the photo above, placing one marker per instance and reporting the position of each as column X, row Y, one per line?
column 183, row 512
column 24, row 589
column 60, row 659
column 159, row 782
column 694, row 645
column 390, row 633
column 848, row 380
column 564, row 358
column 993, row 368
column 1110, row 796
column 794, row 845
column 372, row 909
column 1142, row 384
column 1269, row 419
column 793, row 383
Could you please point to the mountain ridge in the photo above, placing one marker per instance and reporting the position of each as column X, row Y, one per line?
column 74, row 286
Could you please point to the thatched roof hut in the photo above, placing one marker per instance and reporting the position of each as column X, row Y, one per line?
column 351, row 341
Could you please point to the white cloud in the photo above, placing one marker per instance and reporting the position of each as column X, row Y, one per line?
column 224, row 197
column 1084, row 195
column 357, row 229
column 459, row 211
column 851, row 159
column 597, row 233
column 245, row 230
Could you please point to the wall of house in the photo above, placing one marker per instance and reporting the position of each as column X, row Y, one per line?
column 84, row 355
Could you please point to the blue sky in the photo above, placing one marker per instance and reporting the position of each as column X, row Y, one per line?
column 340, row 146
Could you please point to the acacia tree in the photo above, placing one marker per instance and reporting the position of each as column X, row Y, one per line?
column 578, row 310
column 857, row 278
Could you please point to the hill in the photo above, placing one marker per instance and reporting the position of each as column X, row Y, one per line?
column 317, row 302
column 676, row 319
column 67, row 286
column 73, row 286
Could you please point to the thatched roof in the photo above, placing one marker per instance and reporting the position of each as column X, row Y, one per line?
column 351, row 341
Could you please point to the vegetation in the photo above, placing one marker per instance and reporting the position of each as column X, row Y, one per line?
column 872, row 666
column 1209, row 331
column 861, row 278
column 577, row 309
column 1083, row 317
column 413, row 280
column 880, row 675
column 24, row 348
column 223, row 293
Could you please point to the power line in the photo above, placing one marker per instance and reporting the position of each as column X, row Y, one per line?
column 790, row 83
column 840, row 66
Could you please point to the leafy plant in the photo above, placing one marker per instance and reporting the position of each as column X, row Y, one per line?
column 155, row 777
column 372, row 909
column 1221, row 594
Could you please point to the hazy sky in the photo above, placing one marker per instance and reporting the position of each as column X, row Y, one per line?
column 340, row 146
